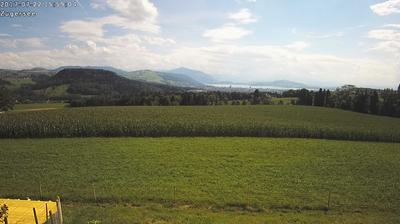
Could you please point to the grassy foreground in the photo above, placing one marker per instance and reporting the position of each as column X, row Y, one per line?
column 128, row 214
column 245, row 121
column 226, row 176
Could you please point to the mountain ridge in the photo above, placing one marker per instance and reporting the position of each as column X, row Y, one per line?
column 172, row 79
column 194, row 74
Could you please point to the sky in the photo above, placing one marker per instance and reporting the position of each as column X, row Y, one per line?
column 329, row 42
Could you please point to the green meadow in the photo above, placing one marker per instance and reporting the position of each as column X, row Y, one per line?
column 207, row 180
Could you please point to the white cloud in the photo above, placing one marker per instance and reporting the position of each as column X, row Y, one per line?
column 5, row 35
column 314, row 35
column 324, row 36
column 244, row 16
column 388, row 41
column 232, row 31
column 83, row 30
column 98, row 4
column 386, row 8
column 392, row 26
column 385, row 34
column 136, row 10
column 158, row 41
column 226, row 33
column 388, row 47
column 16, row 25
column 129, row 24
column 134, row 15
column 298, row 45
column 21, row 43
column 245, row 1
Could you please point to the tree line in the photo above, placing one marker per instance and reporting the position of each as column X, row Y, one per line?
column 175, row 99
column 372, row 101
column 7, row 99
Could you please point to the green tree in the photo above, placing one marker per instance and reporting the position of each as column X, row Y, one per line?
column 390, row 102
column 7, row 100
column 361, row 103
column 305, row 97
column 344, row 97
column 329, row 99
column 319, row 98
column 256, row 97
column 374, row 103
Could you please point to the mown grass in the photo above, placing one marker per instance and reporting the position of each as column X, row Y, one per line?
column 284, row 100
column 126, row 214
column 254, row 121
column 38, row 106
column 218, row 174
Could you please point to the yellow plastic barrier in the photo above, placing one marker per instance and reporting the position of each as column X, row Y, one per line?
column 21, row 211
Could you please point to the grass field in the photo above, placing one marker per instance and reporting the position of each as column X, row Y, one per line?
column 270, row 121
column 207, row 180
column 128, row 214
column 284, row 100
column 38, row 106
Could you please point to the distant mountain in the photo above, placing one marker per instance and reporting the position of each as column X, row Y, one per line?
column 107, row 68
column 196, row 75
column 282, row 84
column 163, row 78
column 83, row 81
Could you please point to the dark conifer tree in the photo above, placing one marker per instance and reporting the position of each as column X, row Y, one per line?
column 7, row 100
column 361, row 101
column 374, row 103
column 305, row 97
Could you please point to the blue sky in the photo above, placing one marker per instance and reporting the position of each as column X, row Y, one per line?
column 330, row 42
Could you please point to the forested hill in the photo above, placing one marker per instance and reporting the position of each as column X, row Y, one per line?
column 97, row 82
column 163, row 78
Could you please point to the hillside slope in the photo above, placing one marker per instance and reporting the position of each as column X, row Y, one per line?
column 194, row 74
column 98, row 82
column 163, row 78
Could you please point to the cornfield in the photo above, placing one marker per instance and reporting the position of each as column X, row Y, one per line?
column 244, row 121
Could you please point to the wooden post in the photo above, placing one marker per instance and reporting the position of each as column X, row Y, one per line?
column 40, row 191
column 47, row 214
column 94, row 193
column 174, row 194
column 35, row 216
column 60, row 215
column 51, row 218
column 329, row 200
column 248, row 197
